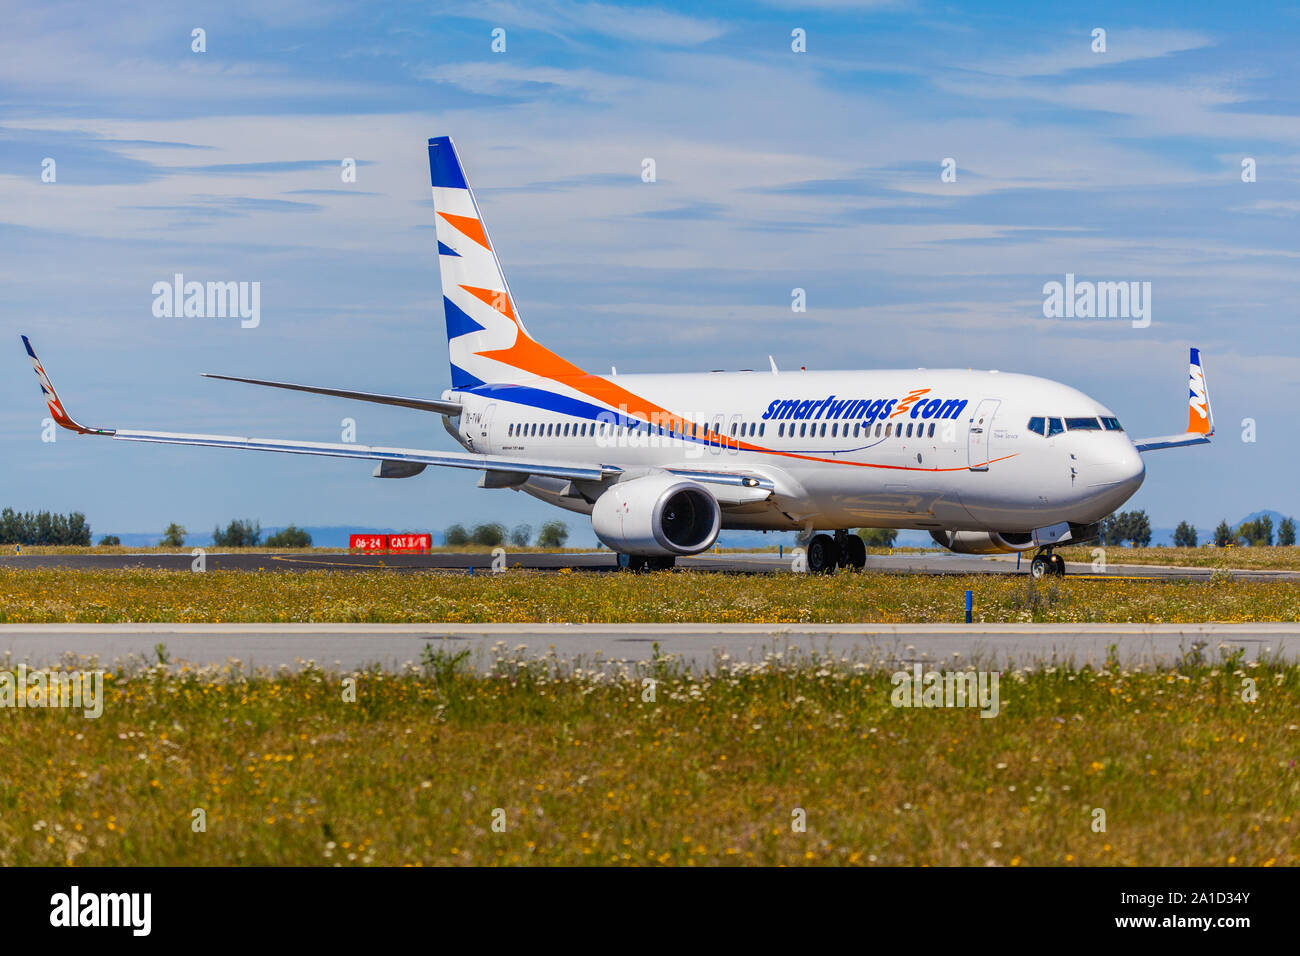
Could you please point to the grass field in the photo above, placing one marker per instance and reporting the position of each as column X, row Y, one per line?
column 1263, row 558
column 578, row 768
column 64, row 595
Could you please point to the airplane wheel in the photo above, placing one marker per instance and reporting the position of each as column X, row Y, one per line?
column 632, row 562
column 854, row 553
column 823, row 554
column 660, row 564
column 1058, row 565
column 1039, row 567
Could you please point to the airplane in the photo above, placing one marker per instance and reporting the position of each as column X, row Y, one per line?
column 986, row 461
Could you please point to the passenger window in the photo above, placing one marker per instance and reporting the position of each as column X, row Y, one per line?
column 803, row 430
column 1037, row 425
column 780, row 430
column 931, row 429
column 909, row 429
column 823, row 429
column 834, row 427
column 1054, row 427
column 889, row 429
column 878, row 428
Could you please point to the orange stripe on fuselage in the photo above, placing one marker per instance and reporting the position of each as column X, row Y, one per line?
column 529, row 356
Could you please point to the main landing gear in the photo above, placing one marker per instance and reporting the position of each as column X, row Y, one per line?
column 1046, row 562
column 826, row 553
column 639, row 562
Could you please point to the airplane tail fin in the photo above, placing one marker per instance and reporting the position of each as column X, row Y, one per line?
column 1200, row 418
column 485, row 335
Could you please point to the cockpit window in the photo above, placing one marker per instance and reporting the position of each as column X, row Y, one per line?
column 1054, row 427
column 1083, row 424
column 1112, row 424
column 1037, row 425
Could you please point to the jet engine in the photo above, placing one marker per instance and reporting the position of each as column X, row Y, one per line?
column 657, row 516
column 984, row 542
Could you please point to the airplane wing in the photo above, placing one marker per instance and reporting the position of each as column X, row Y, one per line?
column 413, row 459
column 1200, row 417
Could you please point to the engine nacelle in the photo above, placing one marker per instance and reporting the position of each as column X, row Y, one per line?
column 984, row 542
column 657, row 516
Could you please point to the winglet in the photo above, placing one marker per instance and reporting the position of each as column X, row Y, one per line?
column 1200, row 419
column 53, row 401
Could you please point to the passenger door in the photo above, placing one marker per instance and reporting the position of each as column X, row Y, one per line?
column 981, row 430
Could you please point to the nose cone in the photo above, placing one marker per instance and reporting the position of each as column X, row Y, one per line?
column 1116, row 475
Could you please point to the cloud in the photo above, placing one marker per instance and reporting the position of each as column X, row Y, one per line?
column 634, row 24
column 1122, row 46
column 501, row 78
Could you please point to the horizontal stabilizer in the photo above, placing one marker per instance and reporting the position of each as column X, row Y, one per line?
column 1171, row 441
column 422, row 404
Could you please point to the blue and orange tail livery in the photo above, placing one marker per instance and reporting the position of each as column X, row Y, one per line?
column 480, row 313
column 1200, row 420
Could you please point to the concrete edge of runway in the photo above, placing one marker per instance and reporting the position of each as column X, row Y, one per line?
column 393, row 647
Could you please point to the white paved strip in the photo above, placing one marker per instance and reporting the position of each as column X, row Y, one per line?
column 351, row 646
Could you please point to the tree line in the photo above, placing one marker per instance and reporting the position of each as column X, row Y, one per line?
column 493, row 534
column 1258, row 532
column 248, row 534
column 43, row 527
column 1255, row 533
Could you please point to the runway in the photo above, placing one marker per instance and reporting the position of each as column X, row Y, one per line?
column 603, row 561
column 353, row 646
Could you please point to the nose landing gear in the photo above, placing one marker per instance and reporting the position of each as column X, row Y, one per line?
column 1046, row 562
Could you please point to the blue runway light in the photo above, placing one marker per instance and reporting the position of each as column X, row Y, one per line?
column 970, row 605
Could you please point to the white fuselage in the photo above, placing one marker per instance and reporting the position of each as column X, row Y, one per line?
column 924, row 448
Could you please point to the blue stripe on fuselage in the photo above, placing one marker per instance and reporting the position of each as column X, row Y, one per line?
column 563, row 405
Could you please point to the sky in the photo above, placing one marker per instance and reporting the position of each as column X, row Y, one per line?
column 774, row 170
